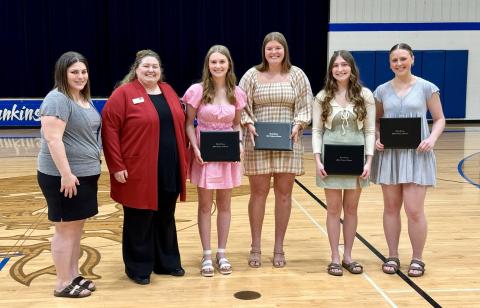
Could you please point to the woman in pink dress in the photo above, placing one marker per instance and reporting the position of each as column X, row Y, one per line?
column 217, row 103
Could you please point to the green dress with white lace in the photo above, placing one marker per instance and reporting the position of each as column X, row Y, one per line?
column 344, row 131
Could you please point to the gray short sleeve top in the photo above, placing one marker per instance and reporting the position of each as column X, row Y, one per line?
column 81, row 136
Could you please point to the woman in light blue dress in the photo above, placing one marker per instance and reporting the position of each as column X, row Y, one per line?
column 343, row 113
column 405, row 174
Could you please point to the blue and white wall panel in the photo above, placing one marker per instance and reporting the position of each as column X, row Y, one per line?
column 373, row 25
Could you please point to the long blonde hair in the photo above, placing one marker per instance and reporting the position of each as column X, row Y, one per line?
column 354, row 91
column 207, row 80
column 131, row 76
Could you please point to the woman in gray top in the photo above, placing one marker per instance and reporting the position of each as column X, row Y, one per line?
column 69, row 167
column 405, row 174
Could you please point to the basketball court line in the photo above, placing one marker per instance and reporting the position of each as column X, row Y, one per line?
column 364, row 275
column 402, row 275
column 436, row 290
column 462, row 174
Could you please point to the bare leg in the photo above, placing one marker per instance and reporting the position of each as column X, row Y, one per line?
column 224, row 198
column 334, row 210
column 259, row 189
column 414, row 200
column 282, row 186
column 392, row 225
column 64, row 243
column 351, row 198
column 205, row 200
column 76, row 255
column 76, row 250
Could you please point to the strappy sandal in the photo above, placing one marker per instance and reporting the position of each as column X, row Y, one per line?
column 416, row 265
column 392, row 262
column 279, row 259
column 206, row 268
column 223, row 265
column 73, row 290
column 353, row 267
column 86, row 283
column 335, row 269
column 255, row 259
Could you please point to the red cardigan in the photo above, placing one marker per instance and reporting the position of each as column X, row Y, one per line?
column 130, row 136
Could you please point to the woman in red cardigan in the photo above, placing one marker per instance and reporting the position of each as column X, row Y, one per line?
column 144, row 143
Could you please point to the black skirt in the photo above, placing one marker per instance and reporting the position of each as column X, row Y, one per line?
column 61, row 208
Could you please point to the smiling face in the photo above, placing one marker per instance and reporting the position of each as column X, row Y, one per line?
column 148, row 71
column 77, row 77
column 218, row 65
column 401, row 62
column 341, row 70
column 274, row 53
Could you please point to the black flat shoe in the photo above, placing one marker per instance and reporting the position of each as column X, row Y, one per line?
column 138, row 279
column 178, row 272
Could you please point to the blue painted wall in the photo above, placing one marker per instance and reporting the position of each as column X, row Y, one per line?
column 445, row 68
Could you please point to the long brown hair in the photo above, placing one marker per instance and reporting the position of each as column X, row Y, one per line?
column 131, row 76
column 278, row 37
column 61, row 80
column 207, row 80
column 354, row 90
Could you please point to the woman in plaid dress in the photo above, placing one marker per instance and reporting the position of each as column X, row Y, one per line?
column 276, row 91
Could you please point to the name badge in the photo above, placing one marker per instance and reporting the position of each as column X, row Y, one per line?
column 138, row 100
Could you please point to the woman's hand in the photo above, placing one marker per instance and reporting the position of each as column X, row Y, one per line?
column 121, row 176
column 198, row 155
column 366, row 171
column 68, row 185
column 251, row 133
column 378, row 145
column 321, row 170
column 242, row 151
column 295, row 131
column 426, row 145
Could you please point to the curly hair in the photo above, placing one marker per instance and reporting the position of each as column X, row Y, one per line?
column 207, row 81
column 354, row 91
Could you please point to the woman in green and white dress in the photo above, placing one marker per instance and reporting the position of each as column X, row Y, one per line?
column 343, row 113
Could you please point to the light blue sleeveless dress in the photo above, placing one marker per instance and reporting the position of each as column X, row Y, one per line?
column 401, row 166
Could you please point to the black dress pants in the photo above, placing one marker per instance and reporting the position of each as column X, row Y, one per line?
column 150, row 238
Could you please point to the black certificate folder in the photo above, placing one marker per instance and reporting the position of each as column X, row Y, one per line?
column 220, row 146
column 400, row 133
column 343, row 159
column 273, row 136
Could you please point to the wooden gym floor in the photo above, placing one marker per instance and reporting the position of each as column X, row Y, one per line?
column 451, row 254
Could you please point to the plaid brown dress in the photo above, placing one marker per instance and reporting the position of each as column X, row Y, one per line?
column 289, row 101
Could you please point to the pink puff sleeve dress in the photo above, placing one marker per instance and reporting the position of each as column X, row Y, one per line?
column 214, row 117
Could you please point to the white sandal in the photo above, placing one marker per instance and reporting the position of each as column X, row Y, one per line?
column 207, row 269
column 223, row 265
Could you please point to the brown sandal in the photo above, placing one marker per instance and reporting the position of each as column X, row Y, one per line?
column 335, row 269
column 353, row 267
column 392, row 262
column 419, row 267
column 73, row 290
column 279, row 259
column 87, row 284
column 255, row 258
